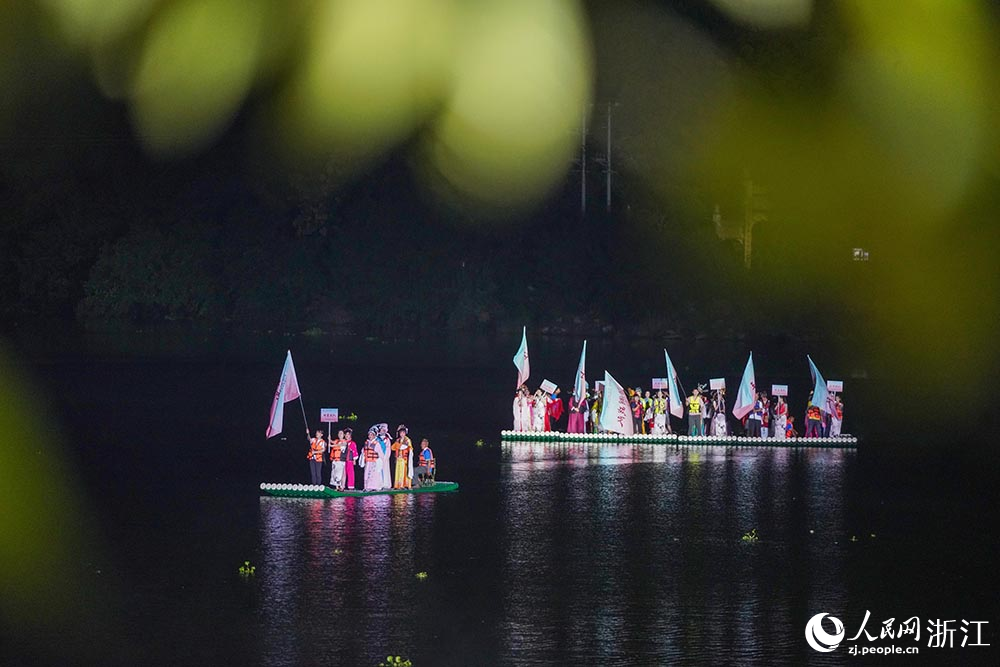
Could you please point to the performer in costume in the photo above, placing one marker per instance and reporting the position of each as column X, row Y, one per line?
column 351, row 449
column 659, row 414
column 317, row 448
column 837, row 418
column 576, row 423
column 525, row 407
column 403, row 448
column 538, row 406
column 369, row 461
column 384, row 446
column 719, row 425
column 337, row 455
column 780, row 417
column 553, row 410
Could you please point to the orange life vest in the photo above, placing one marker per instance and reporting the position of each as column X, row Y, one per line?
column 316, row 448
column 402, row 447
column 813, row 413
column 335, row 448
column 370, row 453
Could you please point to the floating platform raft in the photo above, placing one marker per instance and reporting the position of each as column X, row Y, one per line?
column 553, row 437
column 322, row 491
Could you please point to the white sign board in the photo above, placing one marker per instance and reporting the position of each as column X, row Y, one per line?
column 329, row 415
column 779, row 390
column 549, row 387
column 835, row 385
column 717, row 383
column 661, row 383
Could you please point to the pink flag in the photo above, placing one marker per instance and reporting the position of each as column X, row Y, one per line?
column 521, row 359
column 288, row 390
column 616, row 413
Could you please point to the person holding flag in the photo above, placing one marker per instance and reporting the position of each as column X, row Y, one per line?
column 288, row 390
column 521, row 360
column 675, row 405
column 747, row 395
column 317, row 449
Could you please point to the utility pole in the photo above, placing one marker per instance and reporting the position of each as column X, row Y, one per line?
column 583, row 164
column 609, row 157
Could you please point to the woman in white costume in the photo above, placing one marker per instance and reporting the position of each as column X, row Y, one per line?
column 719, row 427
column 660, row 414
column 538, row 407
column 837, row 418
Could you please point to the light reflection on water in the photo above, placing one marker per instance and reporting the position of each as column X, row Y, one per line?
column 610, row 559
column 619, row 554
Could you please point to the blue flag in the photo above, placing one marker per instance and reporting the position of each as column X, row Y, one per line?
column 676, row 400
column 748, row 391
column 819, row 398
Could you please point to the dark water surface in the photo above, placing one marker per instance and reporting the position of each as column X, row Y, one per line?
column 605, row 555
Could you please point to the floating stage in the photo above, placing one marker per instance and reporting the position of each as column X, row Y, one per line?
column 322, row 491
column 553, row 437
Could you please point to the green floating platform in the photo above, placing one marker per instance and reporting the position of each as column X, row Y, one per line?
column 321, row 491
column 552, row 438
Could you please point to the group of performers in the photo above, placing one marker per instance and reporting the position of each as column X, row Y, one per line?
column 706, row 413
column 373, row 457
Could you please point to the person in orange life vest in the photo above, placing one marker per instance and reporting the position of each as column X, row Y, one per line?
column 317, row 448
column 350, row 456
column 370, row 462
column 337, row 456
column 425, row 470
column 814, row 419
column 403, row 448
column 790, row 431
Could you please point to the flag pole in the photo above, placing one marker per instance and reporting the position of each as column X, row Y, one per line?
column 304, row 421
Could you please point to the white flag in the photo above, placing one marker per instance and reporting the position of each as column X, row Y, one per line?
column 748, row 392
column 580, row 386
column 616, row 413
column 288, row 390
column 521, row 360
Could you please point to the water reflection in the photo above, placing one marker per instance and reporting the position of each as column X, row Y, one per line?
column 615, row 551
column 337, row 576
